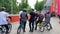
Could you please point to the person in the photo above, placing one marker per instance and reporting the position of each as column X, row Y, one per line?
column 31, row 21
column 20, row 12
column 23, row 19
column 47, row 18
column 3, row 18
column 39, row 19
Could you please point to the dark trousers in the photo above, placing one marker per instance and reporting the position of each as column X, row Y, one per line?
column 6, row 26
column 36, row 24
column 49, row 24
column 31, row 25
column 23, row 25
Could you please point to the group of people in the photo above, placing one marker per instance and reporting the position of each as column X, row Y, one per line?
column 35, row 18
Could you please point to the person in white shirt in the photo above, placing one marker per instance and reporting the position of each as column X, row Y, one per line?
column 20, row 12
column 3, row 18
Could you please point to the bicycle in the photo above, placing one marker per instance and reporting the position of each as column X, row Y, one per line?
column 19, row 28
column 10, row 27
column 43, row 26
column 2, row 30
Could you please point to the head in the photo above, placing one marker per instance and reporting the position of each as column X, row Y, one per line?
column 38, row 12
column 24, row 10
column 48, row 12
column 3, row 9
column 32, row 9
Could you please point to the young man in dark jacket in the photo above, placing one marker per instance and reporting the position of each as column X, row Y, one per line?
column 31, row 21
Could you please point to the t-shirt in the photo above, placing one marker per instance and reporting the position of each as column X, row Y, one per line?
column 23, row 16
column 48, row 16
column 32, row 16
column 20, row 13
column 3, row 16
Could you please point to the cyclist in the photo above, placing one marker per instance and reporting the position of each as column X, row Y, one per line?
column 48, row 17
column 3, row 18
column 39, row 18
column 23, row 19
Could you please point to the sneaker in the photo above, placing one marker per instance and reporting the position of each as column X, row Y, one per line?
column 35, row 28
column 24, row 31
column 29, row 30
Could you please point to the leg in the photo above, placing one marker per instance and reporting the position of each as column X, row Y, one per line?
column 30, row 25
column 7, row 28
column 24, row 26
column 50, row 25
column 36, row 25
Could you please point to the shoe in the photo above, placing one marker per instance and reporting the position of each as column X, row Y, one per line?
column 24, row 31
column 35, row 28
column 50, row 27
column 29, row 30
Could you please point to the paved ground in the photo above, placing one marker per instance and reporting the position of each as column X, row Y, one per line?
column 54, row 22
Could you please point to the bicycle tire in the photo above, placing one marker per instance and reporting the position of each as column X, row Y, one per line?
column 0, row 31
column 3, row 30
column 19, row 30
column 10, row 27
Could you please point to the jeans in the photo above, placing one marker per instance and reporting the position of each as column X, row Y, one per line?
column 22, row 25
column 31, row 25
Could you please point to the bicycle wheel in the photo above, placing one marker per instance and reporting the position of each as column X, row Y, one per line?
column 0, row 31
column 3, row 30
column 10, row 27
column 42, row 27
column 48, row 28
column 19, row 30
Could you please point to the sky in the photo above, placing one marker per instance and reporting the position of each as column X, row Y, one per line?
column 31, row 2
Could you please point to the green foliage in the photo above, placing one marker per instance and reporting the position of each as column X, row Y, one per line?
column 5, row 3
column 39, row 5
column 24, row 4
column 28, row 9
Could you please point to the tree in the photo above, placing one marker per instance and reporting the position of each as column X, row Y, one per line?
column 39, row 5
column 9, row 4
column 24, row 4
column 5, row 3
column 28, row 9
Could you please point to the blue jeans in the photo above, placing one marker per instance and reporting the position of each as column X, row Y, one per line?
column 47, row 24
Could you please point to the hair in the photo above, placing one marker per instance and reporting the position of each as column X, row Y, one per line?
column 39, row 11
column 32, row 9
column 3, row 9
column 9, row 17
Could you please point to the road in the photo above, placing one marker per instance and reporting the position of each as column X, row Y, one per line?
column 54, row 22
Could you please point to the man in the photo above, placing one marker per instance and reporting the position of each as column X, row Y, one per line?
column 23, row 19
column 20, row 12
column 31, row 21
column 3, row 18
column 39, row 18
column 48, row 17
